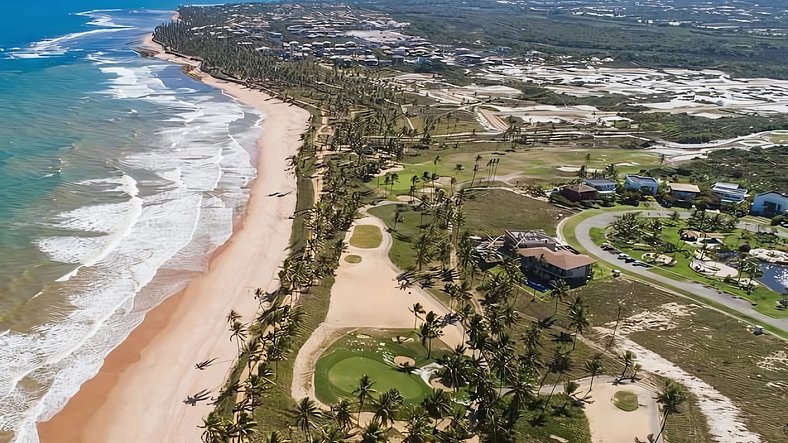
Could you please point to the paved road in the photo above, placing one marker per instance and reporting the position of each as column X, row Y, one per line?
column 582, row 233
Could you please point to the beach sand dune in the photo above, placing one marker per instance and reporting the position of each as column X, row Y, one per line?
column 138, row 395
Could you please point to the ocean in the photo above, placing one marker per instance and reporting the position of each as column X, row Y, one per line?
column 119, row 175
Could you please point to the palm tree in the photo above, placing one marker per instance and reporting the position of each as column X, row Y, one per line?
column 629, row 360
column 276, row 437
column 238, row 334
column 593, row 367
column 430, row 329
column 423, row 250
column 417, row 425
column 437, row 404
column 306, row 414
column 671, row 398
column 559, row 290
column 363, row 392
column 388, row 404
column 333, row 434
column 217, row 429
column 342, row 415
column 374, row 432
column 417, row 309
column 578, row 319
column 245, row 426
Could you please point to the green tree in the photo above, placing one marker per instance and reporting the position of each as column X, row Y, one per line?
column 363, row 392
column 671, row 399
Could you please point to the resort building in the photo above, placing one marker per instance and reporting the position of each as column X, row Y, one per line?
column 604, row 188
column 770, row 204
column 546, row 265
column 729, row 193
column 516, row 240
column 578, row 193
column 647, row 185
column 684, row 192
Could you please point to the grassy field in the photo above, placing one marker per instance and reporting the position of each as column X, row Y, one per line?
column 366, row 237
column 371, row 353
column 407, row 231
column 708, row 344
column 490, row 212
column 533, row 165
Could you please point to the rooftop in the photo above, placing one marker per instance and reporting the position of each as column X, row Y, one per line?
column 641, row 179
column 580, row 188
column 599, row 181
column 684, row 187
column 561, row 259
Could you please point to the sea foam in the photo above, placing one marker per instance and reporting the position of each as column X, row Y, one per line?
column 170, row 206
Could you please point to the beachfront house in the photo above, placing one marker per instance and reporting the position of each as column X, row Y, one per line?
column 729, row 193
column 604, row 188
column 646, row 185
column 770, row 204
column 684, row 192
column 546, row 265
column 579, row 193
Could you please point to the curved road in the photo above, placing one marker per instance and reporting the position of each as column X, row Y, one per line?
column 582, row 233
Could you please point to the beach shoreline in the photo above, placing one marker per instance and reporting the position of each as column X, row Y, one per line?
column 139, row 392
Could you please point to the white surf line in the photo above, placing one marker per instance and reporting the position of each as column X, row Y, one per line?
column 723, row 417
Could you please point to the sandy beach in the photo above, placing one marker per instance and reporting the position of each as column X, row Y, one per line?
column 138, row 395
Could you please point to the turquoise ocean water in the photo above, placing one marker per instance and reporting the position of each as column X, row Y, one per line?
column 118, row 176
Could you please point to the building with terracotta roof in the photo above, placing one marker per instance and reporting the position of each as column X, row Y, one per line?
column 548, row 265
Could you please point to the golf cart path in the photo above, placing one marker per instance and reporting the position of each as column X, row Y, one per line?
column 364, row 295
column 583, row 235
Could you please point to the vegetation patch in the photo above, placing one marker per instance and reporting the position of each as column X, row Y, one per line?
column 626, row 400
column 352, row 258
column 491, row 212
column 366, row 237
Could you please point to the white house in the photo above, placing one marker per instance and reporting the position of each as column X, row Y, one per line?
column 770, row 204
column 729, row 192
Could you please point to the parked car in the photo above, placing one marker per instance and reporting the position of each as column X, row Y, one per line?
column 629, row 260
column 623, row 256
column 639, row 263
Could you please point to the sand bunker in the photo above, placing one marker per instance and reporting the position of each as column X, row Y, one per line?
column 723, row 417
column 776, row 361
column 663, row 318
column 404, row 361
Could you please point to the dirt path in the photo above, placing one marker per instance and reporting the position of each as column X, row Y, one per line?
column 364, row 295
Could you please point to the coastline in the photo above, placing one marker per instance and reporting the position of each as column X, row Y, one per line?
column 143, row 382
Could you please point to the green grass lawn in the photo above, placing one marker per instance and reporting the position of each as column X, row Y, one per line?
column 352, row 258
column 626, row 400
column 490, row 212
column 366, row 237
column 407, row 231
column 371, row 353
